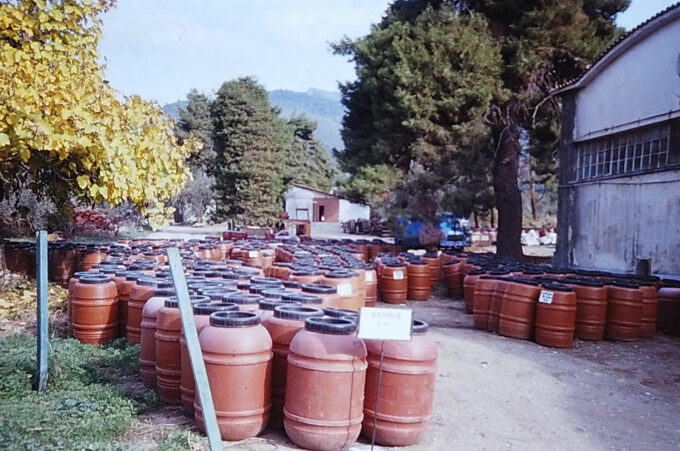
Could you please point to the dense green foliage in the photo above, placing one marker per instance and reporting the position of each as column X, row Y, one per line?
column 307, row 161
column 250, row 141
column 250, row 154
column 85, row 404
column 450, row 93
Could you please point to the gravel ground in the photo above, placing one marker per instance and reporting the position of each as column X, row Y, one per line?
column 498, row 393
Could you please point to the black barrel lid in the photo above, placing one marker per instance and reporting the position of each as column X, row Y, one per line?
column 258, row 289
column 341, row 274
column 302, row 298
column 214, row 295
column 318, row 288
column 476, row 272
column 306, row 272
column 265, row 281
column 335, row 312
column 526, row 281
column 417, row 261
column 173, row 302
column 292, row 284
column 234, row 319
column 80, row 274
column 164, row 292
column 147, row 281
column 296, row 312
column 583, row 281
column 270, row 304
column 275, row 293
column 241, row 298
column 453, row 261
column 329, row 325
column 624, row 283
column 206, row 308
column 94, row 278
column 419, row 327
column 557, row 287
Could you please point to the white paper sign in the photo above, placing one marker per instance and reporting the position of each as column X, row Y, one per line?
column 546, row 297
column 369, row 276
column 385, row 323
column 398, row 275
column 252, row 254
column 344, row 289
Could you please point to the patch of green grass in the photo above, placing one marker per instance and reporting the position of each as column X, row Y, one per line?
column 182, row 441
column 92, row 395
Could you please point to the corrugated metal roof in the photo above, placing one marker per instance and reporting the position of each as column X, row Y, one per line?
column 571, row 84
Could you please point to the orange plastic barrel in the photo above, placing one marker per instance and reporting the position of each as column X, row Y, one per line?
column 371, row 278
column 147, row 351
column 306, row 276
column 69, row 297
column 94, row 309
column 469, row 283
column 433, row 261
column 556, row 316
column 624, row 307
column 591, row 308
column 393, row 284
column 168, row 353
column 327, row 293
column 418, row 275
column 452, row 273
column 286, row 321
column 648, row 310
column 407, row 388
column 141, row 291
column 237, row 351
column 496, row 303
column 346, row 284
column 325, row 385
column 519, row 308
column 93, row 256
column 482, row 300
column 124, row 281
column 202, row 312
column 668, row 308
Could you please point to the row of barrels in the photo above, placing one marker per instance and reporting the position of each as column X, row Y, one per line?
column 554, row 311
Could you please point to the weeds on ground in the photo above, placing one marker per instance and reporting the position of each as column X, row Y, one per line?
column 182, row 441
column 92, row 394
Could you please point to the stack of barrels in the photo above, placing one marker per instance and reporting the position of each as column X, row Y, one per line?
column 262, row 311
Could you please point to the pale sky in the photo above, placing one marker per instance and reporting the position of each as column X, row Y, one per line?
column 160, row 49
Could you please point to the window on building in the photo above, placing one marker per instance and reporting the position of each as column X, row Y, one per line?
column 632, row 152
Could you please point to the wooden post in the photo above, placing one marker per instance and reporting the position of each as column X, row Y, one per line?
column 41, row 278
column 193, row 346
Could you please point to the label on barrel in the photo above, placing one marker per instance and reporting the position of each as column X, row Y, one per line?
column 398, row 275
column 546, row 297
column 344, row 289
column 384, row 323
column 369, row 276
column 252, row 254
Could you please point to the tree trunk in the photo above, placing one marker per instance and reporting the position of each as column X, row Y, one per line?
column 532, row 197
column 508, row 197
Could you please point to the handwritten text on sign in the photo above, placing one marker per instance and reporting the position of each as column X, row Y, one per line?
column 385, row 324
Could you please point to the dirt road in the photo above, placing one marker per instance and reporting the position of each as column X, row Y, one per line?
column 497, row 393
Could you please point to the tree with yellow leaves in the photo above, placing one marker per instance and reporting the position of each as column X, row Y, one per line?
column 63, row 132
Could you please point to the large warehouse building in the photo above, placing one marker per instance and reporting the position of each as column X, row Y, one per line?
column 619, row 194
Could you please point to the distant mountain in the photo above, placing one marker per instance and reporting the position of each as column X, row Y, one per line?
column 324, row 107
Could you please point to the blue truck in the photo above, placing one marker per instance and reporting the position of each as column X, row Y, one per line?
column 456, row 231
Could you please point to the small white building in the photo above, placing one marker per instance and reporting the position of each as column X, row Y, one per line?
column 619, row 193
column 308, row 204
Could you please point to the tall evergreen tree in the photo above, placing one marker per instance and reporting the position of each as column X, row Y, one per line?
column 195, row 119
column 250, row 141
column 308, row 162
column 454, row 88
